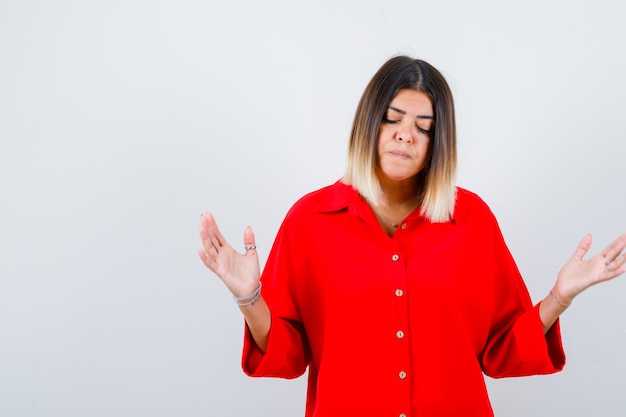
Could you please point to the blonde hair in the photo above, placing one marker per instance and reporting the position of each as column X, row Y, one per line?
column 437, row 180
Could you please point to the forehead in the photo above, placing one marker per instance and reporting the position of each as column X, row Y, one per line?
column 411, row 102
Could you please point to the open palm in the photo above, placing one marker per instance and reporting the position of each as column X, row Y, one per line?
column 579, row 274
column 239, row 272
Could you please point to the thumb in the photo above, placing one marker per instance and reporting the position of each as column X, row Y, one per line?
column 583, row 247
column 248, row 240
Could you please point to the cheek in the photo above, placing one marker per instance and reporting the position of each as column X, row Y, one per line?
column 426, row 146
column 384, row 137
column 424, row 153
column 381, row 141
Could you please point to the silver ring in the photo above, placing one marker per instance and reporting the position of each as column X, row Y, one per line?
column 251, row 247
column 608, row 265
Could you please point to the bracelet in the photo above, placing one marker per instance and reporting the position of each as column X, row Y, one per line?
column 249, row 300
column 562, row 304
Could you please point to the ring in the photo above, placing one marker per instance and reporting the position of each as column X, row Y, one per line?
column 253, row 247
column 608, row 265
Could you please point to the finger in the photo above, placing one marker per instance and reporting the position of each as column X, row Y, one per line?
column 212, row 239
column 613, row 251
column 249, row 241
column 209, row 256
column 208, row 242
column 209, row 223
column 583, row 248
column 613, row 270
column 616, row 267
column 206, row 260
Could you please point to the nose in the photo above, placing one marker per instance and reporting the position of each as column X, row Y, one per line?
column 405, row 133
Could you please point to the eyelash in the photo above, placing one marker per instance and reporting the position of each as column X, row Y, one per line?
column 419, row 129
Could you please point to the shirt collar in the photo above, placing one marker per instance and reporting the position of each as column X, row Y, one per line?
column 338, row 197
column 341, row 196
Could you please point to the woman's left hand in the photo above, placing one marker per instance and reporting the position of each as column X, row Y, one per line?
column 578, row 274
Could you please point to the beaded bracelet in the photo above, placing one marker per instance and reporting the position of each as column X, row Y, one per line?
column 249, row 300
column 562, row 304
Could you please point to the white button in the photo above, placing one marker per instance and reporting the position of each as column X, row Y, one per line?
column 395, row 258
column 402, row 415
column 402, row 374
column 400, row 334
column 399, row 293
column 403, row 226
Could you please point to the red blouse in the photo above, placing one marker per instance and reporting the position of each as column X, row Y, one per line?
column 402, row 326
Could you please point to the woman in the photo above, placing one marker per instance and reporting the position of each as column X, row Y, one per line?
column 393, row 286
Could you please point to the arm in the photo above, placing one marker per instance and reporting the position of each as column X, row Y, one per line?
column 239, row 272
column 577, row 275
column 259, row 320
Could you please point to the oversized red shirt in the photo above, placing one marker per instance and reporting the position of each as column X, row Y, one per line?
column 402, row 326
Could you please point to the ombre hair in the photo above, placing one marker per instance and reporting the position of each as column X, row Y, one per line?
column 436, row 181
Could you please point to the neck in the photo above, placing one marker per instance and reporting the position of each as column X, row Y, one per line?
column 399, row 195
column 395, row 204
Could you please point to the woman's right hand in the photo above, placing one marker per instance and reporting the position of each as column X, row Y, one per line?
column 240, row 272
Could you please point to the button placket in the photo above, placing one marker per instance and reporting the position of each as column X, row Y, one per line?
column 399, row 326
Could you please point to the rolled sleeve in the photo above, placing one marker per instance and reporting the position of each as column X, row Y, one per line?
column 525, row 350
column 287, row 354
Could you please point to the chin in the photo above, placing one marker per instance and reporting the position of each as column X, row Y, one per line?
column 400, row 177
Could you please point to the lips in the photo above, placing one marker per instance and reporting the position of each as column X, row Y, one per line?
column 400, row 154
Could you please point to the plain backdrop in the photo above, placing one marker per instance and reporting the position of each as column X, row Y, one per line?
column 122, row 121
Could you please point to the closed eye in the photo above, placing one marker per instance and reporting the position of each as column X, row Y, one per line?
column 389, row 121
column 422, row 130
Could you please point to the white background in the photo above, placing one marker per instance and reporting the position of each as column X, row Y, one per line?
column 122, row 121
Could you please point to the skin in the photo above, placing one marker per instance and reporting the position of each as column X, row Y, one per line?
column 403, row 150
column 579, row 274
column 239, row 272
column 404, row 140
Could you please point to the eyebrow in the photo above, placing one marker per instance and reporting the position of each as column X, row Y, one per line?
column 419, row 116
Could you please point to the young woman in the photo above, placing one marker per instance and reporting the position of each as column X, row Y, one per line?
column 393, row 286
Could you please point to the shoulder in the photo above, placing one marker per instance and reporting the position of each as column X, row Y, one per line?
column 331, row 198
column 471, row 207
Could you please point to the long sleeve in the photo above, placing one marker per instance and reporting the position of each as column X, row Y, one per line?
column 288, row 352
column 406, row 325
column 516, row 345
